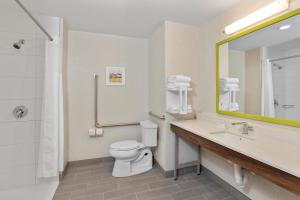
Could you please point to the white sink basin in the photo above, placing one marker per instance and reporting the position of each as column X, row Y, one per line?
column 232, row 136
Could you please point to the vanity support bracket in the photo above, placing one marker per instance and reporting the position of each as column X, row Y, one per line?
column 176, row 159
column 277, row 176
column 176, row 156
column 199, row 167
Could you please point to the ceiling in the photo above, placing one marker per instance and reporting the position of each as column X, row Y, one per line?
column 136, row 18
column 269, row 36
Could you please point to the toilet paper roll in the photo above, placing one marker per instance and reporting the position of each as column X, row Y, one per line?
column 92, row 132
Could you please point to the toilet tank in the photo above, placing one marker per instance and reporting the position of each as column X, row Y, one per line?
column 149, row 133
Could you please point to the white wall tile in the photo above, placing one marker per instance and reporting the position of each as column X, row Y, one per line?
column 17, row 176
column 40, row 46
column 7, row 107
column 17, row 88
column 17, row 155
column 40, row 66
column 17, row 132
column 17, row 66
column 39, row 86
column 38, row 109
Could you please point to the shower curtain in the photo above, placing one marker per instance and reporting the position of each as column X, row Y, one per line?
column 52, row 112
column 268, row 108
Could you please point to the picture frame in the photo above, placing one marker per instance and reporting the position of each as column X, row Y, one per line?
column 115, row 76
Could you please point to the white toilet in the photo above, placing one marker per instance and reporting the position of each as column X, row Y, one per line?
column 133, row 157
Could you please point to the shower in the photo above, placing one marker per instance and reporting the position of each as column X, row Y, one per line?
column 279, row 67
column 18, row 45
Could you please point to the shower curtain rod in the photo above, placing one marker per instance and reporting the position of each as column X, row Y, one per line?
column 34, row 20
column 284, row 58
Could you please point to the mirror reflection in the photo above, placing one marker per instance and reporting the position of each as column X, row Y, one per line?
column 259, row 73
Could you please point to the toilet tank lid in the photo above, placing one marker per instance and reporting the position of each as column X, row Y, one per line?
column 148, row 124
column 125, row 145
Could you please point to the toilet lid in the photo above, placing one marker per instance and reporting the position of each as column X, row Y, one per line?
column 125, row 145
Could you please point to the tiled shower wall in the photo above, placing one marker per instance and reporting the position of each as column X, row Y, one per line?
column 21, row 83
column 286, row 85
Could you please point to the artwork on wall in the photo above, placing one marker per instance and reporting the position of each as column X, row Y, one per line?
column 115, row 76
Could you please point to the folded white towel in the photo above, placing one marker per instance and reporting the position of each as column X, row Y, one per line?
column 179, row 78
column 229, row 80
column 176, row 84
column 229, row 85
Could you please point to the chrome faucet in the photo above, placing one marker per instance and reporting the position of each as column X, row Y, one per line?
column 246, row 127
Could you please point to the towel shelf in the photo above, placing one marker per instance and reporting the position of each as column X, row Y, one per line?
column 162, row 117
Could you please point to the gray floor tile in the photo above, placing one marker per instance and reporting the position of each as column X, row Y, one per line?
column 93, row 181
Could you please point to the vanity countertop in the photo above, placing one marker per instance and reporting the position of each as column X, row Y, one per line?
column 278, row 154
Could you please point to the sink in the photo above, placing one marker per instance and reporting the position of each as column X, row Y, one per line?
column 226, row 135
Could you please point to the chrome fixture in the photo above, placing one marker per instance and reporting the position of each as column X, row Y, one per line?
column 279, row 67
column 97, row 124
column 246, row 127
column 285, row 58
column 18, row 45
column 20, row 112
column 287, row 106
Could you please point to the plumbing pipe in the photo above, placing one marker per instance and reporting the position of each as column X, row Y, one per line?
column 240, row 175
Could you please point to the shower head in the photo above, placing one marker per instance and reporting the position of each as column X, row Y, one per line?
column 18, row 45
column 279, row 67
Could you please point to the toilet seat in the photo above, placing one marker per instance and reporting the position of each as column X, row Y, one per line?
column 125, row 145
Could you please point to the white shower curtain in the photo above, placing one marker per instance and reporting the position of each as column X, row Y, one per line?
column 268, row 108
column 52, row 115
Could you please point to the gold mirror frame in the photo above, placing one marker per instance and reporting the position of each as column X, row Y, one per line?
column 236, row 36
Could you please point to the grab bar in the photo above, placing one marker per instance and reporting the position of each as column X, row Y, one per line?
column 98, row 125
column 162, row 117
column 117, row 125
column 288, row 106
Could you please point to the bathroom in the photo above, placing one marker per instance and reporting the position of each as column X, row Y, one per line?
column 80, row 80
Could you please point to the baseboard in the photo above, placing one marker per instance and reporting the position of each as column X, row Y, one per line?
column 82, row 163
column 64, row 172
column 89, row 161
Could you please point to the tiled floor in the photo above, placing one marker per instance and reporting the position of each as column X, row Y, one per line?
column 93, row 181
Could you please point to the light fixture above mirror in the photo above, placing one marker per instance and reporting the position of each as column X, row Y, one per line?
column 257, row 16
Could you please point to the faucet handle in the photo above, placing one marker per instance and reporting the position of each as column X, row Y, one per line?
column 250, row 128
column 246, row 127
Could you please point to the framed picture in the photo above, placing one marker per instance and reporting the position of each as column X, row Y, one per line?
column 115, row 76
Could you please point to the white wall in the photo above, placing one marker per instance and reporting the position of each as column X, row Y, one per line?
column 64, row 139
column 212, row 33
column 174, row 49
column 253, row 78
column 156, row 89
column 90, row 53
column 237, row 70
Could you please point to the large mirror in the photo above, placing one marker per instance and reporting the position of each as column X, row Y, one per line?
column 259, row 72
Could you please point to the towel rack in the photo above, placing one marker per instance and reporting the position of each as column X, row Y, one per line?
column 97, row 124
column 162, row 117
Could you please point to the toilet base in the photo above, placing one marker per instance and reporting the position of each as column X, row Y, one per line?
column 142, row 163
